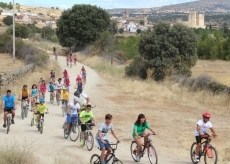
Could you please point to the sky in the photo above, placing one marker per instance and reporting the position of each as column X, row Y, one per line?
column 106, row 4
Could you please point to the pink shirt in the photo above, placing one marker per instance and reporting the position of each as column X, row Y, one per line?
column 43, row 88
column 65, row 74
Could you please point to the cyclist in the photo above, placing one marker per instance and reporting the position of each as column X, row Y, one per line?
column 8, row 104
column 81, row 98
column 67, row 60
column 51, row 88
column 52, row 76
column 67, row 83
column 139, row 130
column 102, row 139
column 35, row 108
column 75, row 59
column 41, row 109
column 58, row 86
column 65, row 97
column 201, row 129
column 34, row 94
column 72, row 112
column 83, row 74
column 86, row 116
column 24, row 94
column 43, row 89
column 70, row 62
column 80, row 86
column 65, row 74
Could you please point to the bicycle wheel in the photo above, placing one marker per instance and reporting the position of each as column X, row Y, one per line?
column 193, row 152
column 41, row 127
column 32, row 121
column 95, row 159
column 63, row 111
column 89, row 141
column 152, row 154
column 133, row 150
column 117, row 161
column 210, row 156
column 8, row 125
column 74, row 133
column 23, row 113
column 26, row 112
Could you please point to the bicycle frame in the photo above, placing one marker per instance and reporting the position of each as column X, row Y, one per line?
column 112, row 154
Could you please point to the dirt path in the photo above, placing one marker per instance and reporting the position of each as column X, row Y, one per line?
column 51, row 144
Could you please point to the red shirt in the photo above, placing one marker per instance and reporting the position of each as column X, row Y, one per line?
column 78, row 79
column 65, row 74
column 67, row 82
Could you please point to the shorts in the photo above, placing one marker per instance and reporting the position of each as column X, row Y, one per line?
column 199, row 138
column 65, row 102
column 79, row 90
column 102, row 145
column 69, row 118
column 83, row 126
column 8, row 109
column 24, row 98
column 41, row 114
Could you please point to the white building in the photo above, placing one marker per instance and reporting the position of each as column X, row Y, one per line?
column 9, row 13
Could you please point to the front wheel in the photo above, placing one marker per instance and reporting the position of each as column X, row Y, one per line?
column 74, row 133
column 63, row 111
column 32, row 121
column 193, row 152
column 133, row 149
column 23, row 113
column 41, row 127
column 8, row 125
column 152, row 154
column 89, row 141
column 95, row 159
column 210, row 156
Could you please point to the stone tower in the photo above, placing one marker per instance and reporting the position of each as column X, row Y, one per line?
column 126, row 14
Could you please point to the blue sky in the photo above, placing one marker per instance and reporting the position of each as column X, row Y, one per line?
column 107, row 4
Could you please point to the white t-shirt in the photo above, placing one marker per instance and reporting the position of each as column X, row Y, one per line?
column 58, row 85
column 82, row 99
column 203, row 127
column 104, row 130
column 74, row 108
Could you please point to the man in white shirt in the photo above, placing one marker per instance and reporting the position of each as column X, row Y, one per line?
column 81, row 98
column 201, row 130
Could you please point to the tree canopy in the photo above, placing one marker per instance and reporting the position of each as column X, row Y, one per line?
column 21, row 31
column 81, row 25
column 8, row 20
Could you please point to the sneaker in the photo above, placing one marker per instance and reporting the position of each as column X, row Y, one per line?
column 103, row 162
column 66, row 132
column 138, row 158
column 81, row 143
column 197, row 159
column 12, row 121
column 4, row 125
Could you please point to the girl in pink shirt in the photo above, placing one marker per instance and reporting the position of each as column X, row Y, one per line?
column 43, row 89
column 65, row 74
column 67, row 83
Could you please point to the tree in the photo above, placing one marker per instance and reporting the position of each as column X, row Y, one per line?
column 142, row 22
column 47, row 32
column 81, row 25
column 138, row 31
column 8, row 20
column 57, row 8
column 21, row 31
column 1, row 11
column 169, row 50
column 10, row 6
column 121, row 30
column 52, row 7
column 113, row 29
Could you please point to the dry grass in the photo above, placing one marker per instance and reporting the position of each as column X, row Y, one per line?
column 183, row 105
column 3, row 29
column 6, row 63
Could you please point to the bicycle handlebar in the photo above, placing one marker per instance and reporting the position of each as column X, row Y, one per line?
column 149, row 134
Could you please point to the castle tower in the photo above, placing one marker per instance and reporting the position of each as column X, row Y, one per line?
column 126, row 14
column 192, row 19
column 200, row 20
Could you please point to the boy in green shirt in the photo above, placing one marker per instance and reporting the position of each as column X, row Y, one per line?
column 86, row 116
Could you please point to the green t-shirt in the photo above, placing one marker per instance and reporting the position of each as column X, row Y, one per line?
column 41, row 108
column 140, row 128
column 86, row 116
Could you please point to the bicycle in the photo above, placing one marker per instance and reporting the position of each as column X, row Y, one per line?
column 209, row 152
column 8, row 121
column 88, row 137
column 33, row 118
column 75, row 61
column 33, row 101
column 58, row 97
column 96, row 159
column 64, row 107
column 41, row 123
column 74, row 130
column 25, row 109
column 51, row 97
column 152, row 154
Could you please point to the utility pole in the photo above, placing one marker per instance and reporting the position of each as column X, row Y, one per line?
column 13, row 34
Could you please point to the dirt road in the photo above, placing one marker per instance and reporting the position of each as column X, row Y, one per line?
column 51, row 144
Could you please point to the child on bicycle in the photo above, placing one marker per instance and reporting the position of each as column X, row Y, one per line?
column 102, row 139
column 65, row 97
column 35, row 111
column 51, row 88
column 201, row 129
column 139, row 130
column 41, row 109
column 86, row 116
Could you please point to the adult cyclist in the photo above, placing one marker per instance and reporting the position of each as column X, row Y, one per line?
column 52, row 76
column 8, row 104
column 72, row 113
column 58, row 87
column 81, row 98
column 24, row 94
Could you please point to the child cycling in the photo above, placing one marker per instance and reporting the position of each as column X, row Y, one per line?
column 41, row 109
column 139, row 130
column 35, row 112
column 102, row 139
column 51, row 88
column 65, row 97
column 201, row 129
column 86, row 116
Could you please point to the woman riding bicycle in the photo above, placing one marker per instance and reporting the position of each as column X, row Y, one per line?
column 139, row 130
column 58, row 86
column 34, row 95
column 202, row 128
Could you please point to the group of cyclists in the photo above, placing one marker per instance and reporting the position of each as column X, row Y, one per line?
column 81, row 110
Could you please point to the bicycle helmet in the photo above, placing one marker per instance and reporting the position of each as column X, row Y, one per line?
column 64, row 89
column 207, row 114
column 76, row 93
column 42, row 100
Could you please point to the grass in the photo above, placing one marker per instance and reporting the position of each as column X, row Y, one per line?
column 171, row 93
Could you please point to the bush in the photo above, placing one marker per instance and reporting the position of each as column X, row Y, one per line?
column 137, row 67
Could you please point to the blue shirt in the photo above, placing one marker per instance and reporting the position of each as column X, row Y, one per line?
column 9, row 101
column 51, row 88
column 34, row 92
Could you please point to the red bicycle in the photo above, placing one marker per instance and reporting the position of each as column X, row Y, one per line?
column 209, row 152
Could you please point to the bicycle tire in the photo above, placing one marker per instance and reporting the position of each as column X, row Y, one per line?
column 8, row 125
column 63, row 111
column 152, row 153
column 22, row 113
column 66, row 135
column 26, row 112
column 206, row 156
column 117, row 161
column 133, row 150
column 95, row 159
column 32, row 121
column 74, row 130
column 41, row 127
column 89, row 141
column 193, row 153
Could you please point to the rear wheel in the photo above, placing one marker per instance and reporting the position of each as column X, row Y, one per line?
column 89, row 141
column 133, row 149
column 32, row 121
column 74, row 133
column 152, row 155
column 95, row 159
column 210, row 156
column 193, row 152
